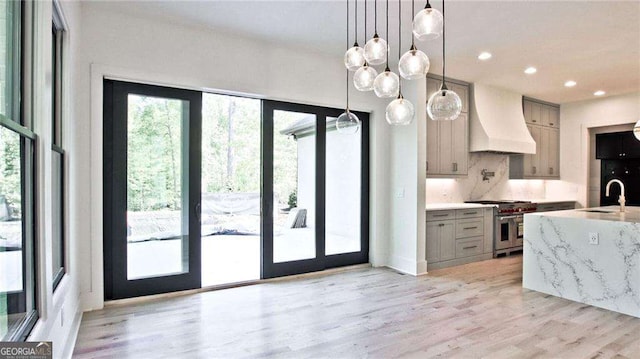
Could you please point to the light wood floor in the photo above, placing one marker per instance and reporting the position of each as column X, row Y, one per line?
column 472, row 311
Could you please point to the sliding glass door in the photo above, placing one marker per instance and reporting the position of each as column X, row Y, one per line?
column 305, row 227
column 152, row 189
column 203, row 189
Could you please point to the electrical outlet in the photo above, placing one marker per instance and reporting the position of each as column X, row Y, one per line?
column 400, row 192
column 593, row 238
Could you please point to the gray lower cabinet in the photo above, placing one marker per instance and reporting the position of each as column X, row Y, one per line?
column 459, row 236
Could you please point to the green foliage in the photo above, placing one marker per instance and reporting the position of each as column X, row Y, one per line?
column 293, row 199
column 10, row 184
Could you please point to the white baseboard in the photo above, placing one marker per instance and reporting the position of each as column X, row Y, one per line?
column 403, row 265
column 73, row 335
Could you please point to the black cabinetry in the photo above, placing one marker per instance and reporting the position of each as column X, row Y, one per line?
column 617, row 145
column 627, row 171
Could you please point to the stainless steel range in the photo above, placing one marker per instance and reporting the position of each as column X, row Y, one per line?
column 508, row 230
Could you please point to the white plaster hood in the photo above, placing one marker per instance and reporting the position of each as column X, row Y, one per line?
column 497, row 123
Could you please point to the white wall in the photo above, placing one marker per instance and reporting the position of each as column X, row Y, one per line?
column 408, row 165
column 59, row 311
column 575, row 121
column 146, row 50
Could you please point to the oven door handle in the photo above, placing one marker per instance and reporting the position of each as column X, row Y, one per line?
column 507, row 217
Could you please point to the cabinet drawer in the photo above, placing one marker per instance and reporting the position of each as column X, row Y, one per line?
column 469, row 213
column 469, row 227
column 469, row 247
column 440, row 215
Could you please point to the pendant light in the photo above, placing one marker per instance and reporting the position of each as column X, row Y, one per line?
column 444, row 104
column 428, row 24
column 414, row 64
column 365, row 76
column 400, row 111
column 375, row 50
column 347, row 122
column 387, row 83
column 636, row 130
column 354, row 57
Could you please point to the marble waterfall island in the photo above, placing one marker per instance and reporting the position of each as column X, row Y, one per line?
column 559, row 258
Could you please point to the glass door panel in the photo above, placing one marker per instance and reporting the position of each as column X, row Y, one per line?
column 157, row 225
column 152, row 189
column 343, row 190
column 294, row 186
column 230, row 223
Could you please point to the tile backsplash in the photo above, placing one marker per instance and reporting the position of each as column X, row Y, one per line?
column 472, row 187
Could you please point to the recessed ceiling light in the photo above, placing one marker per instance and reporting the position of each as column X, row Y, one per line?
column 599, row 93
column 570, row 83
column 530, row 70
column 484, row 56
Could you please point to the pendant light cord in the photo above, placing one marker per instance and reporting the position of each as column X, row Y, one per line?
column 386, row 51
column 399, row 46
column 356, row 24
column 444, row 86
column 375, row 17
column 365, row 21
column 347, row 82
column 413, row 13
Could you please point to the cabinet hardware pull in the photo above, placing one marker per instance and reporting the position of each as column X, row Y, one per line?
column 551, row 123
column 465, row 213
column 470, row 227
column 455, row 167
column 550, row 170
column 440, row 224
column 534, row 170
column 441, row 215
column 469, row 247
column 427, row 165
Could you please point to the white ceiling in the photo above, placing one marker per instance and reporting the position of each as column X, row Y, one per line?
column 595, row 43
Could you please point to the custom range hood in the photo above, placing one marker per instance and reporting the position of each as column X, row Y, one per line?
column 497, row 123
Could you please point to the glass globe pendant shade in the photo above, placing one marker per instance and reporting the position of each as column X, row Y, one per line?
column 375, row 50
column 636, row 130
column 354, row 58
column 414, row 64
column 363, row 78
column 386, row 84
column 444, row 105
column 427, row 24
column 347, row 123
column 400, row 112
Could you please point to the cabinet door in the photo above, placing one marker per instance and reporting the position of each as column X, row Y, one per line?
column 554, row 117
column 608, row 146
column 445, row 136
column 463, row 92
column 535, row 113
column 543, row 152
column 433, row 146
column 545, row 115
column 447, row 240
column 433, row 241
column 531, row 161
column 460, row 144
column 630, row 145
column 554, row 152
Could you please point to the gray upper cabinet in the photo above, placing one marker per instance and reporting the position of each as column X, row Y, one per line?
column 543, row 122
column 448, row 141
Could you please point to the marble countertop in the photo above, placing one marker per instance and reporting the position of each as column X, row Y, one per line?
column 447, row 206
column 609, row 213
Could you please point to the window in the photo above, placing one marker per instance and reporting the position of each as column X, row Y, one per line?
column 57, row 151
column 17, row 266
